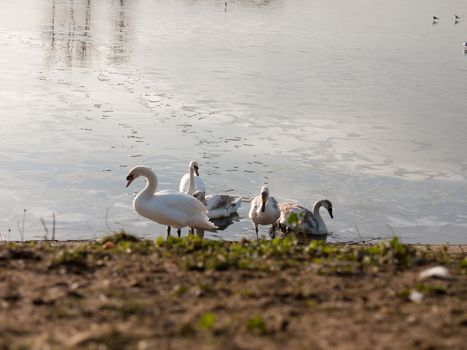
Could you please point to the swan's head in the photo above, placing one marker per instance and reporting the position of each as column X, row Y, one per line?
column 264, row 197
column 328, row 205
column 135, row 173
column 201, row 196
column 195, row 167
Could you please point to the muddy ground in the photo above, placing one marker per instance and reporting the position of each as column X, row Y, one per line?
column 194, row 294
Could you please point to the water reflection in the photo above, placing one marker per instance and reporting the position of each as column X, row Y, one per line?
column 70, row 32
column 120, row 52
column 223, row 223
column 236, row 3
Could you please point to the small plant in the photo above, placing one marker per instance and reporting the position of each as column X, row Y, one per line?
column 21, row 227
column 118, row 237
column 463, row 264
column 46, row 236
column 256, row 324
column 179, row 291
column 206, row 321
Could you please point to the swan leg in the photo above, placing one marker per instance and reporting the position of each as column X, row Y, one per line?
column 200, row 232
column 256, row 229
column 272, row 231
column 168, row 231
column 179, row 232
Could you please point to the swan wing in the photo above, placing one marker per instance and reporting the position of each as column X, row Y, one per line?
column 307, row 222
column 254, row 206
column 181, row 201
column 222, row 205
column 222, row 201
column 189, row 211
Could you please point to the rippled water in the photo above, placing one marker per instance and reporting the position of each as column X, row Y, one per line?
column 362, row 102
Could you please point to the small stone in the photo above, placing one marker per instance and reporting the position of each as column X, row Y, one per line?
column 108, row 245
column 411, row 319
column 416, row 296
column 435, row 272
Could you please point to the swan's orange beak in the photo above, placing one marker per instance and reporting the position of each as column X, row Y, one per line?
column 130, row 179
column 330, row 213
column 263, row 206
column 197, row 171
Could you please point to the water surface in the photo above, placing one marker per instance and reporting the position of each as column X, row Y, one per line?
column 361, row 102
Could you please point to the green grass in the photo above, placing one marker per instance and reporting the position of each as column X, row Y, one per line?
column 194, row 253
column 206, row 321
column 256, row 324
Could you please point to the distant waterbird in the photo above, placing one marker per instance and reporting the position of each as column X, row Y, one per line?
column 464, row 45
column 435, row 18
column 456, row 17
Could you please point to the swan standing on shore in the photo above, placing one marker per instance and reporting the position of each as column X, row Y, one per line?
column 309, row 222
column 189, row 183
column 219, row 205
column 167, row 208
column 264, row 210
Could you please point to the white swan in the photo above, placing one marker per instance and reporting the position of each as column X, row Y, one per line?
column 309, row 222
column 264, row 210
column 219, row 205
column 197, row 183
column 167, row 208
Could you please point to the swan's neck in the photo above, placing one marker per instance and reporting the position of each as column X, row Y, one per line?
column 191, row 185
column 316, row 213
column 151, row 186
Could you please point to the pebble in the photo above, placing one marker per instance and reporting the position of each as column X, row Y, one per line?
column 435, row 272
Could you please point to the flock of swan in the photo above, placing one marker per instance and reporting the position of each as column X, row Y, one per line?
column 192, row 208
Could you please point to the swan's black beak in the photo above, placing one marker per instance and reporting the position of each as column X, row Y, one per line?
column 130, row 179
column 196, row 171
column 330, row 213
column 263, row 206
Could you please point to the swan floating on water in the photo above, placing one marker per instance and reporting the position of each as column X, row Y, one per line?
column 309, row 222
column 167, row 208
column 197, row 183
column 264, row 210
column 219, row 205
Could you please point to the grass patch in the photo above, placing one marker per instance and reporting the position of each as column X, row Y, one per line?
column 206, row 321
column 256, row 324
column 118, row 237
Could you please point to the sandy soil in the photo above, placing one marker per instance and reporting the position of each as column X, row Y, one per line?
column 194, row 295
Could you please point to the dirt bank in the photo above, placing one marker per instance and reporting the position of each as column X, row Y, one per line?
column 193, row 294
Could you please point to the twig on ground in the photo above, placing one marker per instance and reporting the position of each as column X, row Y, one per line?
column 53, row 226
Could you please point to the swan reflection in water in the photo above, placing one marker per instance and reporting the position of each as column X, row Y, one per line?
column 221, row 223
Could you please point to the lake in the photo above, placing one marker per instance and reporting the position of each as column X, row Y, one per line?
column 362, row 102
